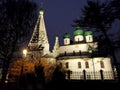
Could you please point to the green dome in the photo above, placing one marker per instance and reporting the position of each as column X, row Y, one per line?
column 88, row 33
column 78, row 31
column 66, row 35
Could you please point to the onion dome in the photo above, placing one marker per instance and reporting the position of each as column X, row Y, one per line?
column 66, row 35
column 88, row 33
column 78, row 31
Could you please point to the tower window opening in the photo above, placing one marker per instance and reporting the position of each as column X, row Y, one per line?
column 60, row 65
column 65, row 41
column 86, row 64
column 67, row 65
column 89, row 37
column 102, row 64
column 65, row 53
column 73, row 52
column 79, row 64
column 78, row 39
column 79, row 52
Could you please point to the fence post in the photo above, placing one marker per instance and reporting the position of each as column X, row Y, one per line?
column 68, row 73
column 84, row 73
column 101, row 73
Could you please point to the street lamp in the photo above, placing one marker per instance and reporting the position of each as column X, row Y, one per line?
column 24, row 52
column 24, row 56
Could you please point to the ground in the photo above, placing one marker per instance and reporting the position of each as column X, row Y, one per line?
column 67, row 85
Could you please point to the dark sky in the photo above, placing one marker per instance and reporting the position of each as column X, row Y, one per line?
column 59, row 15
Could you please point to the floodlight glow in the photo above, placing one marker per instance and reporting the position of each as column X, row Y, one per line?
column 25, row 52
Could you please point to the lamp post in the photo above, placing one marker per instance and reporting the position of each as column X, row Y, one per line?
column 24, row 56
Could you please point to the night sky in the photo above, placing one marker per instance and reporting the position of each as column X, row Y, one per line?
column 59, row 16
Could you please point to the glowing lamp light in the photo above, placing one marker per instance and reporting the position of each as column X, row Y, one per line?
column 25, row 52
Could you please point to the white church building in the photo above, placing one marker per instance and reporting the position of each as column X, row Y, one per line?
column 78, row 59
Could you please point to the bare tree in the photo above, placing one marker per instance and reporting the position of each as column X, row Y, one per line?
column 16, row 20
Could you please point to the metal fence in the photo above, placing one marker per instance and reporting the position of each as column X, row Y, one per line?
column 84, row 75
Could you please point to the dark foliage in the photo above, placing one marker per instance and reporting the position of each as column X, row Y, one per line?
column 27, row 79
column 100, row 17
column 96, row 14
column 16, row 18
column 58, row 79
column 39, row 71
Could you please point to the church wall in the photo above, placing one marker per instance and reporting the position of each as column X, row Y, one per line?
column 94, row 67
column 106, row 62
column 71, row 48
column 73, row 64
column 94, row 64
column 46, row 49
column 83, row 47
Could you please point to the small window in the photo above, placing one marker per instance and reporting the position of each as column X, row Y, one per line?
column 79, row 64
column 65, row 41
column 79, row 52
column 65, row 53
column 67, row 65
column 89, row 37
column 73, row 52
column 60, row 65
column 101, row 64
column 78, row 39
column 86, row 64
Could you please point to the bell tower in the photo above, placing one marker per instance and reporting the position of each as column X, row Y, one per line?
column 39, row 39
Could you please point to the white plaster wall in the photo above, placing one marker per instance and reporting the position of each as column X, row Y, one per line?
column 94, row 64
column 73, row 64
column 83, row 47
column 71, row 48
column 107, row 64
column 46, row 49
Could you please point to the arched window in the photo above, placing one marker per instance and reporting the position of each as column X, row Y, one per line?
column 89, row 37
column 102, row 64
column 65, row 53
column 78, row 39
column 86, row 64
column 79, row 64
column 67, row 65
column 79, row 52
column 65, row 41
column 73, row 52
column 60, row 65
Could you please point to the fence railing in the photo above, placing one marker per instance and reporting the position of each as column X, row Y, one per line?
column 85, row 75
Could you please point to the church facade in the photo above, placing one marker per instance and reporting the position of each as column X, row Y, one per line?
column 79, row 59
